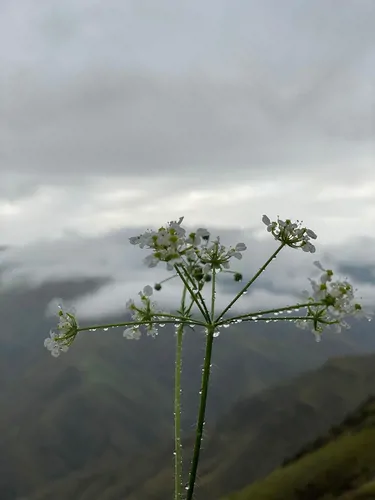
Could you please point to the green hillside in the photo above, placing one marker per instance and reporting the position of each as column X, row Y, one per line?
column 77, row 423
column 340, row 466
column 254, row 438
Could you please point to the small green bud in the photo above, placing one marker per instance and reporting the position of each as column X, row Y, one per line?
column 237, row 277
column 157, row 286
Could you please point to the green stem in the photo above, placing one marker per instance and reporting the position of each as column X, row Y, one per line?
column 138, row 323
column 201, row 412
column 199, row 295
column 178, row 485
column 213, row 294
column 177, row 405
column 269, row 311
column 273, row 256
column 193, row 296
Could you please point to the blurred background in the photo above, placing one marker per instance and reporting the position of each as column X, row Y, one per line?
column 122, row 115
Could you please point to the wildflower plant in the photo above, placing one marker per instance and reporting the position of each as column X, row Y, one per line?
column 197, row 260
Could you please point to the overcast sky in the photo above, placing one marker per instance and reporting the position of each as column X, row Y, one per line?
column 116, row 116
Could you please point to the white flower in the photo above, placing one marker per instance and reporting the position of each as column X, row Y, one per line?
column 291, row 234
column 56, row 344
column 203, row 233
column 171, row 245
column 266, row 220
column 147, row 290
column 144, row 312
column 132, row 333
column 240, row 247
column 336, row 300
column 217, row 256
column 67, row 328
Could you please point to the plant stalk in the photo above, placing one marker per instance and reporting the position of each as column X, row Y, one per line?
column 201, row 412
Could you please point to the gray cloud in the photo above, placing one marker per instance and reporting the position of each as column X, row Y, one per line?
column 130, row 114
column 126, row 123
column 119, row 265
column 306, row 99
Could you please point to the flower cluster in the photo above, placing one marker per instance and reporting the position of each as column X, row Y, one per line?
column 172, row 244
column 145, row 313
column 217, row 256
column 168, row 244
column 291, row 234
column 67, row 328
column 336, row 300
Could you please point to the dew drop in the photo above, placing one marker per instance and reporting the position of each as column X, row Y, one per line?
column 106, row 329
column 216, row 333
column 227, row 325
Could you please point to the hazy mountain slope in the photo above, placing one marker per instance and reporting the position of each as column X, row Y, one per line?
column 109, row 399
column 340, row 465
column 256, row 436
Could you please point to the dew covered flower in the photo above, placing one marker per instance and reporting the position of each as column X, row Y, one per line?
column 217, row 256
column 144, row 312
column 168, row 244
column 335, row 301
column 291, row 234
column 67, row 330
column 173, row 245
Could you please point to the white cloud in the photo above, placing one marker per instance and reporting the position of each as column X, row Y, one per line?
column 114, row 116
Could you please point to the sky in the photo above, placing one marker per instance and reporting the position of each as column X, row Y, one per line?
column 119, row 116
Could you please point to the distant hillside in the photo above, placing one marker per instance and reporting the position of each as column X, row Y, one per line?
column 254, row 438
column 106, row 407
column 337, row 466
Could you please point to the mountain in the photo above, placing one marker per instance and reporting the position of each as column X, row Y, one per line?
column 260, row 432
column 80, row 421
column 337, row 466
column 255, row 437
